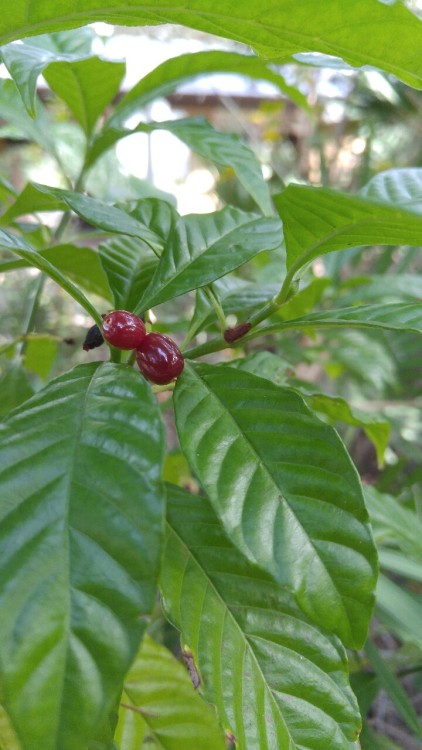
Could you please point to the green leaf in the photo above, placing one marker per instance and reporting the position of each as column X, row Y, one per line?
column 159, row 215
column 131, row 728
column 128, row 268
column 81, row 522
column 80, row 264
column 285, row 490
column 393, row 689
column 25, row 61
column 400, row 610
column 178, row 70
column 266, row 365
column 203, row 247
column 224, row 149
column 276, row 680
column 393, row 523
column 317, row 221
column 375, row 427
column 160, row 688
column 270, row 366
column 101, row 215
column 381, row 288
column 14, row 113
column 40, row 354
column 400, row 564
column 31, row 200
column 384, row 36
column 87, row 86
column 33, row 258
column 8, row 739
column 15, row 387
column 393, row 316
column 221, row 148
column 400, row 187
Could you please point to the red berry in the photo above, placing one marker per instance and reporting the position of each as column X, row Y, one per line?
column 159, row 359
column 123, row 329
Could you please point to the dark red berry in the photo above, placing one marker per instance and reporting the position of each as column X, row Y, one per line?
column 159, row 359
column 93, row 339
column 123, row 329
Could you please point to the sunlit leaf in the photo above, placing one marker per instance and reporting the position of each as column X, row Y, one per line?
column 203, row 247
column 87, row 86
column 178, row 70
column 317, row 221
column 384, row 36
column 400, row 187
column 159, row 688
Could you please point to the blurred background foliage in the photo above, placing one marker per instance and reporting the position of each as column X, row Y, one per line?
column 356, row 124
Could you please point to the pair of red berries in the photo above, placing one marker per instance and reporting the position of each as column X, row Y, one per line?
column 157, row 356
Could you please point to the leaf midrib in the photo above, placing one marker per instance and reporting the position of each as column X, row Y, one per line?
column 278, row 490
column 229, row 613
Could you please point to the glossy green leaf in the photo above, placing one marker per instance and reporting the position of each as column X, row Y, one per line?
column 221, row 148
column 87, row 86
column 317, row 221
column 159, row 686
column 270, row 366
column 33, row 258
column 15, row 387
column 127, row 262
column 159, row 215
column 284, row 488
column 384, row 36
column 203, row 247
column 400, row 187
column 80, row 264
column 277, row 681
column 393, row 316
column 80, row 473
column 101, row 215
column 178, row 70
column 129, row 269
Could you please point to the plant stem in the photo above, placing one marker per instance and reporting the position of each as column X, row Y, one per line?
column 214, row 299
column 31, row 312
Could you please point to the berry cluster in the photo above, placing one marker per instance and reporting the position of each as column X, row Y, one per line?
column 157, row 356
